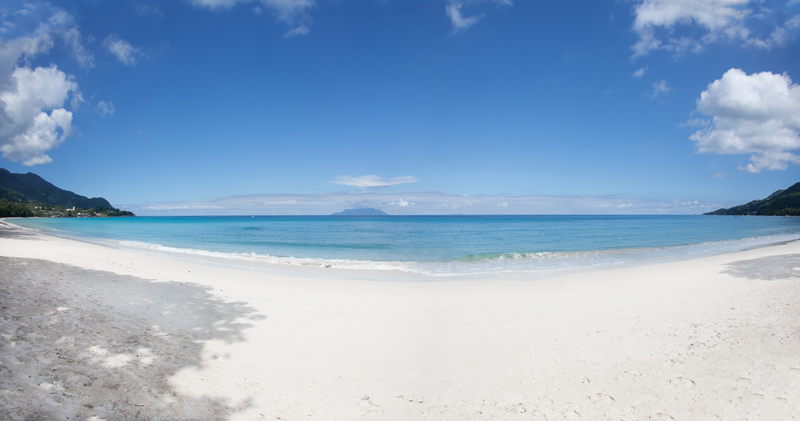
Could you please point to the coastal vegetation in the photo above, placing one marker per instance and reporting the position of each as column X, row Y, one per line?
column 26, row 195
column 781, row 203
column 11, row 209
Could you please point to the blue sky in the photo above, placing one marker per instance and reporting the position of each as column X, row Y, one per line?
column 414, row 107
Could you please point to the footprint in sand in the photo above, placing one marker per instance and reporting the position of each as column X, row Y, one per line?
column 572, row 411
column 368, row 407
column 682, row 381
column 601, row 398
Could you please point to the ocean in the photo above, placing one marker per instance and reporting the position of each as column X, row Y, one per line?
column 431, row 245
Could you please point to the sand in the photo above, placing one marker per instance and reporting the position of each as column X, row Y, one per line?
column 95, row 332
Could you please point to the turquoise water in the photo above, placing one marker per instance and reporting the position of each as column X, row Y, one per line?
column 434, row 245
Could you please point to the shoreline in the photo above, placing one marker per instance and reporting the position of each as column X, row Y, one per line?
column 425, row 271
column 96, row 332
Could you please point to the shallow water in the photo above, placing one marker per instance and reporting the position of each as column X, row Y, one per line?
column 433, row 245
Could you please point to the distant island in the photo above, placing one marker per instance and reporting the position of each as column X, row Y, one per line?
column 361, row 212
column 24, row 195
column 781, row 203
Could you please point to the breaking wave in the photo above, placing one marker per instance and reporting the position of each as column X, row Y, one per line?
column 486, row 263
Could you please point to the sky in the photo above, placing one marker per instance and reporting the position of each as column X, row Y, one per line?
column 268, row 107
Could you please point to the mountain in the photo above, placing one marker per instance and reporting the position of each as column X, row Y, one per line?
column 780, row 203
column 30, row 188
column 361, row 212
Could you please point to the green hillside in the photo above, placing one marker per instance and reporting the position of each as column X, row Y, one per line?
column 780, row 203
column 30, row 188
column 31, row 195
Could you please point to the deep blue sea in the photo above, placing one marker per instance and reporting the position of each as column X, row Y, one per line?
column 432, row 245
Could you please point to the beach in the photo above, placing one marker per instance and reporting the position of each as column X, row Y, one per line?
column 103, row 333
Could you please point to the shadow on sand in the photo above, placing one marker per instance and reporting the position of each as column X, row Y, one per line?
column 7, row 231
column 769, row 268
column 78, row 343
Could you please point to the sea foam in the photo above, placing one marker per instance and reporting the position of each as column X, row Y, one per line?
column 431, row 245
column 487, row 263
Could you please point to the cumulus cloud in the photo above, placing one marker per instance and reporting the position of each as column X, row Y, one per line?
column 34, row 120
column 33, row 116
column 461, row 22
column 373, row 181
column 292, row 12
column 122, row 50
column 690, row 25
column 756, row 114
column 640, row 72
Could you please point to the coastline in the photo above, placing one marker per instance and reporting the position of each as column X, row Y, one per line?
column 558, row 250
column 93, row 331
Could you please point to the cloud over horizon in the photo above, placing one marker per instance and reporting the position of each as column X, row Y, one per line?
column 756, row 114
column 373, row 181
column 411, row 203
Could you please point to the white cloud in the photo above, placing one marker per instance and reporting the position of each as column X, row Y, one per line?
column 34, row 120
column 292, row 12
column 720, row 175
column 639, row 73
column 122, row 50
column 53, row 26
column 300, row 30
column 461, row 22
column 373, row 181
column 144, row 10
column 660, row 88
column 216, row 4
column 72, row 38
column 660, row 25
column 756, row 114
column 695, row 122
column 770, row 161
column 402, row 203
column 105, row 108
column 33, row 117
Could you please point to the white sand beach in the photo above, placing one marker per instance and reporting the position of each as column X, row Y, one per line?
column 95, row 332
